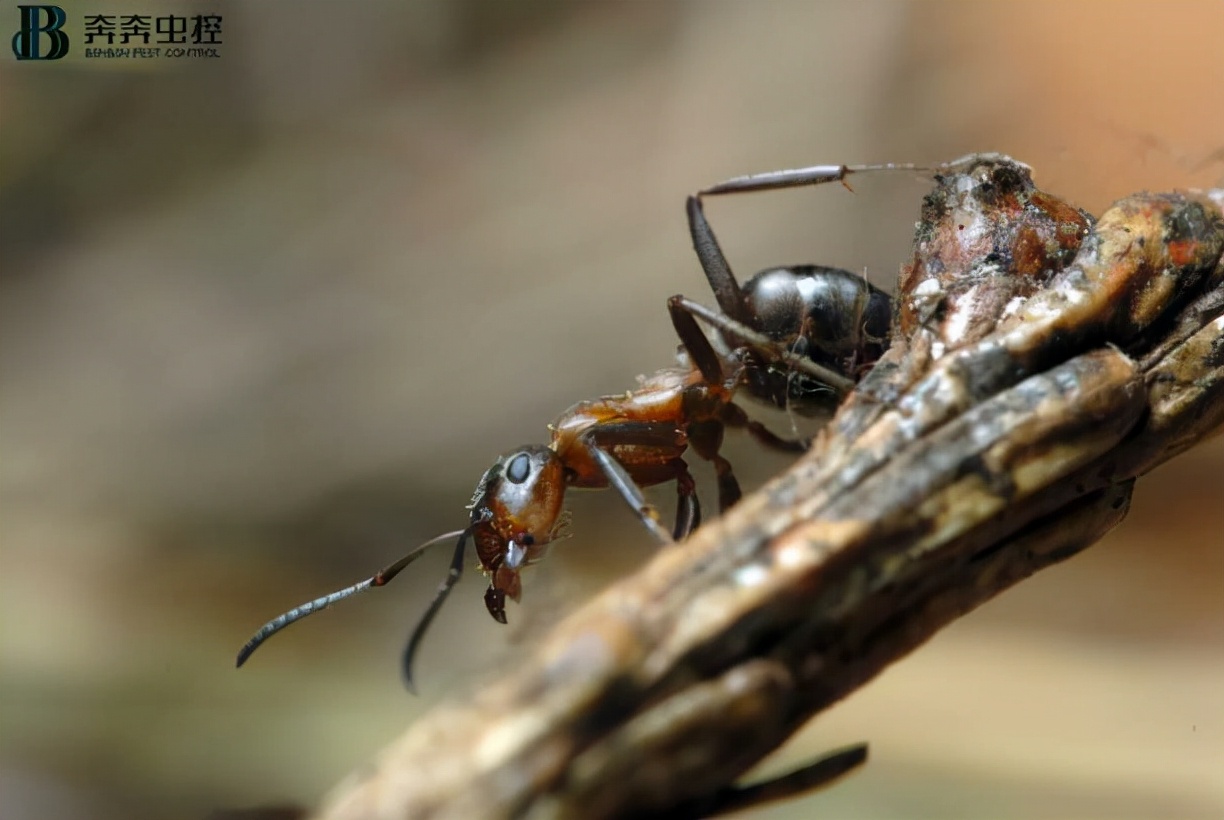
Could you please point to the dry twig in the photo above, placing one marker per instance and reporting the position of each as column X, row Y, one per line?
column 1042, row 364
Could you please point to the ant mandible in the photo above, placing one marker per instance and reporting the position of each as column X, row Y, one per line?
column 628, row 441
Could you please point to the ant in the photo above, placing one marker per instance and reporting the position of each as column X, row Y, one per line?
column 805, row 333
column 627, row 441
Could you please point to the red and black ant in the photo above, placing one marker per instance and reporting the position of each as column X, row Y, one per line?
column 627, row 442
column 796, row 337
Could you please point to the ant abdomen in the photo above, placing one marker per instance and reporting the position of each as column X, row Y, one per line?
column 828, row 316
column 836, row 315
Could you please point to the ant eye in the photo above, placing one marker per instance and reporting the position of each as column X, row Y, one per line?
column 519, row 468
column 527, row 539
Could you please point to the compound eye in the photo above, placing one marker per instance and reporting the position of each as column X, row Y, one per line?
column 518, row 469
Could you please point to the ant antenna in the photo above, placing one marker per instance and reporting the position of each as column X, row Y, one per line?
column 448, row 583
column 379, row 579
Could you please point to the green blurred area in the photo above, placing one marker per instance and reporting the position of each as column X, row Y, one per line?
column 265, row 319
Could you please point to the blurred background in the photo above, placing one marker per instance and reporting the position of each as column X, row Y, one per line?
column 266, row 318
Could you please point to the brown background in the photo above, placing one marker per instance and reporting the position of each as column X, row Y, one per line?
column 265, row 319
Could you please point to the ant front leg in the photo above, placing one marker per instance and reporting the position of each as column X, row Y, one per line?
column 645, row 434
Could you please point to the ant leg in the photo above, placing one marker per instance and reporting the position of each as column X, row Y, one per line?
column 709, row 253
column 688, row 508
column 706, row 438
column 452, row 577
column 728, row 485
column 631, row 433
column 734, row 416
column 815, row 775
column 714, row 263
column 767, row 346
column 796, row 177
column 694, row 341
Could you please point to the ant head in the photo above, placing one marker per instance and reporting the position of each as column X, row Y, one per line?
column 516, row 511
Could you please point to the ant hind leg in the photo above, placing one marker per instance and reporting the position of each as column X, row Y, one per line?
column 797, row 177
column 714, row 263
column 770, row 348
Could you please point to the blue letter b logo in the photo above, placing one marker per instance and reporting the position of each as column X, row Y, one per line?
column 26, row 41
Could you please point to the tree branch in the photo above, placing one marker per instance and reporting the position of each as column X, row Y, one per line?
column 1041, row 364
